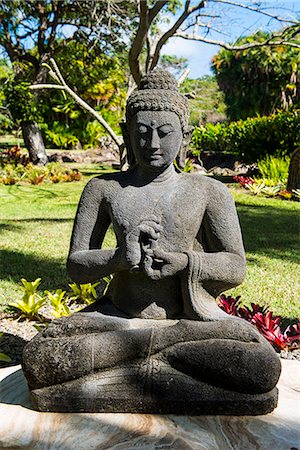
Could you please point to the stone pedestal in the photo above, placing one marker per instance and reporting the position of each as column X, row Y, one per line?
column 22, row 427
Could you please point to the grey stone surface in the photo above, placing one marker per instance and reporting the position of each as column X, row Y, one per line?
column 159, row 343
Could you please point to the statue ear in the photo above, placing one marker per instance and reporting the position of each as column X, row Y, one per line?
column 186, row 139
column 130, row 155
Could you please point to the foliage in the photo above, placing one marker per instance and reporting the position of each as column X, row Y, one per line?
column 267, row 324
column 173, row 63
column 59, row 136
column 84, row 293
column 58, row 303
column 21, row 101
column 100, row 80
column 3, row 356
column 274, row 172
column 31, row 302
column 206, row 100
column 258, row 80
column 242, row 180
column 252, row 139
column 274, row 168
column 13, row 156
column 54, row 172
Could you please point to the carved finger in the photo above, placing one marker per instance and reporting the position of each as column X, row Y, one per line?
column 161, row 254
column 156, row 226
column 149, row 231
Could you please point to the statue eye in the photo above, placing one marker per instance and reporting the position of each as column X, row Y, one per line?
column 164, row 130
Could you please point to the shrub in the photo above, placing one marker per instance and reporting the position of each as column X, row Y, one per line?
column 53, row 172
column 58, row 303
column 274, row 168
column 84, row 293
column 253, row 138
column 13, row 156
column 267, row 324
column 3, row 356
column 31, row 302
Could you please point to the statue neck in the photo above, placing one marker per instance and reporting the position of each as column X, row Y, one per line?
column 146, row 176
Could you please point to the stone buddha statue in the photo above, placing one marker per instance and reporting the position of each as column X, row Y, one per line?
column 158, row 342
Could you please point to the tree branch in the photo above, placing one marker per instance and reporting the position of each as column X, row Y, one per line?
column 146, row 18
column 137, row 44
column 42, row 13
column 270, row 41
column 54, row 23
column 255, row 9
column 187, row 11
column 79, row 100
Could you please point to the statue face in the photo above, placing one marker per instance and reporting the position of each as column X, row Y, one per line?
column 155, row 137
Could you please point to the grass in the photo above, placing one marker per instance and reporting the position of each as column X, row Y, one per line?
column 271, row 231
column 36, row 225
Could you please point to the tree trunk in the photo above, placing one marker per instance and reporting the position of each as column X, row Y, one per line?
column 294, row 171
column 34, row 143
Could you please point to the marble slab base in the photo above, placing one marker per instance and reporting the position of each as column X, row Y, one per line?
column 23, row 428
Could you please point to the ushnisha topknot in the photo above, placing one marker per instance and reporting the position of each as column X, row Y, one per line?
column 159, row 92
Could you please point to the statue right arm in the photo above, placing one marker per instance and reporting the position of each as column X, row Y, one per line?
column 87, row 262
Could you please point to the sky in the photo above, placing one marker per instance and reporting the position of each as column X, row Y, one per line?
column 233, row 24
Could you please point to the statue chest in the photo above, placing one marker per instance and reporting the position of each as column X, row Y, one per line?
column 178, row 211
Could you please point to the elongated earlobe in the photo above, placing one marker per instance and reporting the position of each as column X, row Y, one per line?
column 130, row 155
column 186, row 139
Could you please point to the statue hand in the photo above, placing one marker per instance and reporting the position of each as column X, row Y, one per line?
column 158, row 264
column 142, row 237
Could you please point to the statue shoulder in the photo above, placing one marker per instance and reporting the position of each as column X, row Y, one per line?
column 102, row 185
column 209, row 189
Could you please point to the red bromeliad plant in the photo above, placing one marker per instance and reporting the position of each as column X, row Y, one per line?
column 267, row 324
column 243, row 180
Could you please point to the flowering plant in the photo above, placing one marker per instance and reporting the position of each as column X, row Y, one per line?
column 243, row 181
column 267, row 324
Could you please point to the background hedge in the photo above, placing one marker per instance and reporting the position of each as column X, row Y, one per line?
column 253, row 138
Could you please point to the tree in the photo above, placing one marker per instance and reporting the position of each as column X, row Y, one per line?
column 206, row 100
column 154, row 22
column 41, row 23
column 258, row 80
column 195, row 21
column 100, row 80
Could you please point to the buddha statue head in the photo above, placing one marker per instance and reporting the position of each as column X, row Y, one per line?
column 156, row 129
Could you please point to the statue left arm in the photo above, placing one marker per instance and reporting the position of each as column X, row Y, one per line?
column 223, row 262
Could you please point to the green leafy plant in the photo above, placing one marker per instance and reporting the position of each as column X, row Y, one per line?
column 35, row 174
column 3, row 356
column 274, row 168
column 31, row 302
column 58, row 303
column 84, row 293
column 21, row 101
column 53, row 172
column 251, row 139
column 255, row 188
column 271, row 191
column 107, row 280
column 60, row 136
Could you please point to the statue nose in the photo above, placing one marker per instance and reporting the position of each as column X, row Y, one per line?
column 154, row 140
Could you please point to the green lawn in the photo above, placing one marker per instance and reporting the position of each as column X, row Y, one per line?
column 36, row 224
